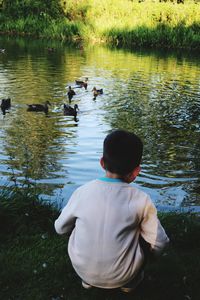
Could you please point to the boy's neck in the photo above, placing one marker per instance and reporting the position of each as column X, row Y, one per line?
column 113, row 175
column 128, row 179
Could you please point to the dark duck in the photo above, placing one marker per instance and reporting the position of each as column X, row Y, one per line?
column 39, row 107
column 96, row 92
column 70, row 94
column 70, row 111
column 82, row 83
column 5, row 105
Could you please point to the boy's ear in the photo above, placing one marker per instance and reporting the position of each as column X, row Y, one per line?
column 136, row 171
column 102, row 163
column 132, row 175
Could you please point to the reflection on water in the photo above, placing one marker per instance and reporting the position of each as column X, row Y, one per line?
column 157, row 96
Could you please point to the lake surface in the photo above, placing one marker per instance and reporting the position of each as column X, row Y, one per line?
column 156, row 95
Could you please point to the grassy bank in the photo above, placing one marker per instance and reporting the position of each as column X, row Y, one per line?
column 121, row 23
column 40, row 19
column 148, row 23
column 60, row 29
column 34, row 263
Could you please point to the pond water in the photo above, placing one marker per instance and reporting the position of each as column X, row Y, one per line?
column 156, row 95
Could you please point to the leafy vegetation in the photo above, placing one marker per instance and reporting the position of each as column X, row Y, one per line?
column 34, row 262
column 25, row 8
column 44, row 19
column 119, row 22
column 147, row 24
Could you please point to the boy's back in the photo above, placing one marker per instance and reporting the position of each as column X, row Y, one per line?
column 106, row 218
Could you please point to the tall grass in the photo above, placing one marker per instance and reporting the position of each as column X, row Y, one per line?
column 162, row 36
column 119, row 22
column 127, row 23
column 55, row 29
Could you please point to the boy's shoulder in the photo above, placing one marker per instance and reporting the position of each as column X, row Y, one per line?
column 97, row 183
column 91, row 183
column 139, row 191
column 87, row 185
column 139, row 196
column 135, row 198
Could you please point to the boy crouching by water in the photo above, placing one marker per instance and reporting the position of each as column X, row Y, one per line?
column 113, row 225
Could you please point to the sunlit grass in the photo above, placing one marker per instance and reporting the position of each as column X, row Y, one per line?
column 119, row 22
column 163, row 36
column 129, row 23
column 147, row 23
column 55, row 29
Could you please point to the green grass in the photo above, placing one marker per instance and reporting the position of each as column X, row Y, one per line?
column 129, row 23
column 121, row 23
column 49, row 29
column 34, row 262
column 162, row 36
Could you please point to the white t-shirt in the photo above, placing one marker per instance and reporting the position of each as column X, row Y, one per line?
column 105, row 218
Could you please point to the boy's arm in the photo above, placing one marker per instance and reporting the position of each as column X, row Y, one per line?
column 151, row 229
column 67, row 219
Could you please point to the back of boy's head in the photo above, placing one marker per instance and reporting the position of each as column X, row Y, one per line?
column 122, row 152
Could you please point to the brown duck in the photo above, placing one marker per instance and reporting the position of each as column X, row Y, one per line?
column 82, row 83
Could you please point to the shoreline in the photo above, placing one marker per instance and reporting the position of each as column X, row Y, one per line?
column 127, row 24
column 174, row 209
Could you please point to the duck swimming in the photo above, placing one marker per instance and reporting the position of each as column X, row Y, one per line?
column 96, row 92
column 5, row 104
column 70, row 94
column 70, row 111
column 39, row 107
column 82, row 83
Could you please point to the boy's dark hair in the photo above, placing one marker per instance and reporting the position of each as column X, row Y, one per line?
column 122, row 152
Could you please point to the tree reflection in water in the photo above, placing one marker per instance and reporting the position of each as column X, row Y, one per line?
column 154, row 94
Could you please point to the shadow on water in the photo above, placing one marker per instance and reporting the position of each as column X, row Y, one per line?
column 178, row 54
column 154, row 94
column 35, row 144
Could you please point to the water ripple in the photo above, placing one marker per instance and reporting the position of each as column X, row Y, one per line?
column 141, row 94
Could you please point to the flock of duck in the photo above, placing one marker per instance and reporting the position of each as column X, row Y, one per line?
column 67, row 109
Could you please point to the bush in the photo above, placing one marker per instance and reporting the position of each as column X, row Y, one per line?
column 27, row 8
